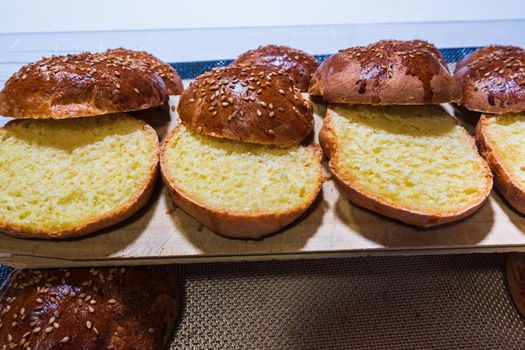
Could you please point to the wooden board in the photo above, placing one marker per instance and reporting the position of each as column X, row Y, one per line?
column 162, row 233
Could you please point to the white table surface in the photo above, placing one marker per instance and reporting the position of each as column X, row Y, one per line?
column 66, row 15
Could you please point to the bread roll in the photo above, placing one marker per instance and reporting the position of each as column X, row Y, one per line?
column 384, row 73
column 250, row 103
column 238, row 189
column 90, row 309
column 81, row 85
column 167, row 72
column 71, row 177
column 299, row 65
column 411, row 163
column 500, row 141
column 493, row 79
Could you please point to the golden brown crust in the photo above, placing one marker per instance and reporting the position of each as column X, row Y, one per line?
column 81, row 85
column 227, row 223
column 493, row 79
column 140, row 199
column 515, row 273
column 299, row 65
column 90, row 309
column 250, row 103
column 505, row 182
column 387, row 72
column 371, row 201
column 168, row 74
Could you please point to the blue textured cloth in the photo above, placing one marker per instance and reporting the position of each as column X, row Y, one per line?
column 190, row 70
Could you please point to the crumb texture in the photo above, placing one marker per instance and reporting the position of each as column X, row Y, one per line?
column 506, row 134
column 57, row 174
column 414, row 157
column 242, row 177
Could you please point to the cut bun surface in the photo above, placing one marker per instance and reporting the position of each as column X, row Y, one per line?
column 389, row 72
column 299, row 65
column 62, row 178
column 492, row 79
column 81, row 85
column 237, row 189
column 250, row 103
column 414, row 164
column 500, row 140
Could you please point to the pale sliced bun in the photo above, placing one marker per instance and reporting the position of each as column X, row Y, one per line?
column 500, row 140
column 238, row 189
column 62, row 178
column 413, row 164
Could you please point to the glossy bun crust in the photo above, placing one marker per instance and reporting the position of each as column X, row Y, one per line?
column 81, row 85
column 387, row 72
column 167, row 72
column 296, row 63
column 250, row 103
column 493, row 79
column 90, row 309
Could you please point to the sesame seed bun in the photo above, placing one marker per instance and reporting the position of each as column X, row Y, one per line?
column 299, row 65
column 98, row 308
column 493, row 79
column 249, row 103
column 81, row 85
column 387, row 72
column 168, row 74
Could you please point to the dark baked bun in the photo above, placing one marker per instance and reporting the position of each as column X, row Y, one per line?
column 493, row 79
column 296, row 63
column 81, row 85
column 250, row 103
column 88, row 309
column 387, row 72
column 167, row 72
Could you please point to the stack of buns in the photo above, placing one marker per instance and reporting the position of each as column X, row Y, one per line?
column 493, row 82
column 392, row 149
column 90, row 309
column 236, row 162
column 71, row 162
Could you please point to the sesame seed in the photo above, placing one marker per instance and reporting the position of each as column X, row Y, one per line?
column 88, row 324
column 225, row 104
column 112, row 301
column 49, row 329
column 136, row 90
column 281, row 91
column 37, row 329
column 259, row 113
column 151, row 330
column 271, row 132
column 64, row 340
column 272, row 114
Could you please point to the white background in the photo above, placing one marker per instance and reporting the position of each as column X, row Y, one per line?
column 18, row 16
